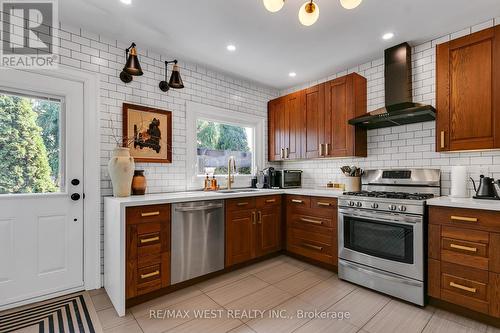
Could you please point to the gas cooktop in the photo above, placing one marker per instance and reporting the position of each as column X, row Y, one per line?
column 391, row 195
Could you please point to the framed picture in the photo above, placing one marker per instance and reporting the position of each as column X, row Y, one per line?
column 148, row 133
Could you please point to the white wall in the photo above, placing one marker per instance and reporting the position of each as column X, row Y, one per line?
column 402, row 146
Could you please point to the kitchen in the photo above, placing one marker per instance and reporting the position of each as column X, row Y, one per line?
column 321, row 240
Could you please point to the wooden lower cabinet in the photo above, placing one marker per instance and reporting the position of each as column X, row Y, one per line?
column 253, row 228
column 312, row 228
column 147, row 249
column 464, row 258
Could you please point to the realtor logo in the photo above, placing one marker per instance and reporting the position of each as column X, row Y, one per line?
column 29, row 34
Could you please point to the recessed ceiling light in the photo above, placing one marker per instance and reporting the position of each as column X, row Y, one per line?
column 388, row 36
column 231, row 48
column 127, row 2
column 292, row 74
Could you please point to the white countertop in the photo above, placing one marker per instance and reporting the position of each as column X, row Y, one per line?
column 173, row 197
column 465, row 203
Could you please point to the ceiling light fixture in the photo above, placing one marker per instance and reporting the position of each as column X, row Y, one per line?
column 274, row 5
column 231, row 48
column 175, row 79
column 309, row 13
column 132, row 66
column 388, row 36
column 127, row 2
column 350, row 4
column 292, row 74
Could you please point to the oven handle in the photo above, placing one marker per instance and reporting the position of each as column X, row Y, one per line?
column 386, row 276
column 381, row 218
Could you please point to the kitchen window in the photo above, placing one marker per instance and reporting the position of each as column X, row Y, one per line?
column 217, row 142
column 215, row 134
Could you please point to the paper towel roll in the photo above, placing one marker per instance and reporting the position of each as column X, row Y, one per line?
column 459, row 182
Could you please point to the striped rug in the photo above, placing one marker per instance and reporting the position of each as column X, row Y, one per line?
column 70, row 313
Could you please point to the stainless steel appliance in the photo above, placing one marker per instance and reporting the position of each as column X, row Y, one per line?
column 197, row 239
column 381, row 231
column 486, row 188
column 271, row 179
column 289, row 178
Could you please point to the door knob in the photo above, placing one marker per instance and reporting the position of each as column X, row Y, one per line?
column 75, row 182
column 75, row 197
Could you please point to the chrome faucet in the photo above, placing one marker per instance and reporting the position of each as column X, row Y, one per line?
column 231, row 168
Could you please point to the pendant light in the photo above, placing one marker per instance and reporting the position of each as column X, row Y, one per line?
column 132, row 66
column 350, row 4
column 274, row 5
column 309, row 13
column 175, row 79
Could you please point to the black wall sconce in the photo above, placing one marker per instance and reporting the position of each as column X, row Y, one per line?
column 175, row 79
column 132, row 66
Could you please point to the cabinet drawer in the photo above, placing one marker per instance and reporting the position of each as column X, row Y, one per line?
column 464, row 252
column 308, row 220
column 324, row 206
column 147, row 274
column 314, row 237
column 297, row 201
column 149, row 213
column 268, row 201
column 465, row 286
column 465, row 218
column 240, row 203
column 317, row 246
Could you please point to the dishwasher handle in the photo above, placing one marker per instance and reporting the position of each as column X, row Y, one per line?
column 199, row 208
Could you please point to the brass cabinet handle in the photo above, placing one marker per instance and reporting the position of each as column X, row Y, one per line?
column 327, row 151
column 149, row 240
column 145, row 276
column 442, row 140
column 323, row 203
column 465, row 248
column 463, row 219
column 270, row 200
column 297, row 201
column 287, row 152
column 254, row 218
column 303, row 219
column 242, row 204
column 282, row 154
column 319, row 248
column 320, row 149
column 259, row 219
column 150, row 214
column 461, row 287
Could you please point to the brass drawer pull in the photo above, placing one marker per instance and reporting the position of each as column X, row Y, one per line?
column 242, row 204
column 254, row 218
column 442, row 140
column 459, row 286
column 297, row 201
column 324, row 204
column 465, row 248
column 259, row 217
column 303, row 219
column 270, row 200
column 150, row 214
column 149, row 240
column 145, row 276
column 463, row 219
column 319, row 248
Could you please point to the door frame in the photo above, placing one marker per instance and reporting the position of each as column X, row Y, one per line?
column 91, row 173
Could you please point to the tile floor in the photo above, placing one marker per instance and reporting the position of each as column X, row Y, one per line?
column 281, row 285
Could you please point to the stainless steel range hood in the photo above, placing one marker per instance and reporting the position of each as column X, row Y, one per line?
column 399, row 109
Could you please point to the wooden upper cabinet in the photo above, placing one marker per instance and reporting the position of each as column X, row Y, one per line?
column 313, row 122
column 468, row 92
column 313, row 115
column 345, row 98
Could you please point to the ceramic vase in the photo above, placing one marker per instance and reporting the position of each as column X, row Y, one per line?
column 121, row 170
column 139, row 183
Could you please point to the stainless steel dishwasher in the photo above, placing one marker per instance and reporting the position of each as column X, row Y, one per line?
column 197, row 239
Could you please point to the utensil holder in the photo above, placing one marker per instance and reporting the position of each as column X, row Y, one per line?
column 352, row 184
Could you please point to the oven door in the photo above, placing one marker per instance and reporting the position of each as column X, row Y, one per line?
column 387, row 241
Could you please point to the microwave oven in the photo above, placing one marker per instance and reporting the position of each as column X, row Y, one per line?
column 289, row 178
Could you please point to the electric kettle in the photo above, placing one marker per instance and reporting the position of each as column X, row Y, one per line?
column 485, row 189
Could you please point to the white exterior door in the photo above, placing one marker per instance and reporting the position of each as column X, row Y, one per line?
column 41, row 184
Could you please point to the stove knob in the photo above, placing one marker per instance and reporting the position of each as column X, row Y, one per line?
column 351, row 203
column 402, row 208
column 374, row 205
column 392, row 207
column 359, row 204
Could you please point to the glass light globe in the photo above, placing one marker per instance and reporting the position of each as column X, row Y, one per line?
column 350, row 4
column 274, row 5
column 309, row 13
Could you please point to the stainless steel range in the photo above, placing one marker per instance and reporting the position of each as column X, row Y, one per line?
column 381, row 231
